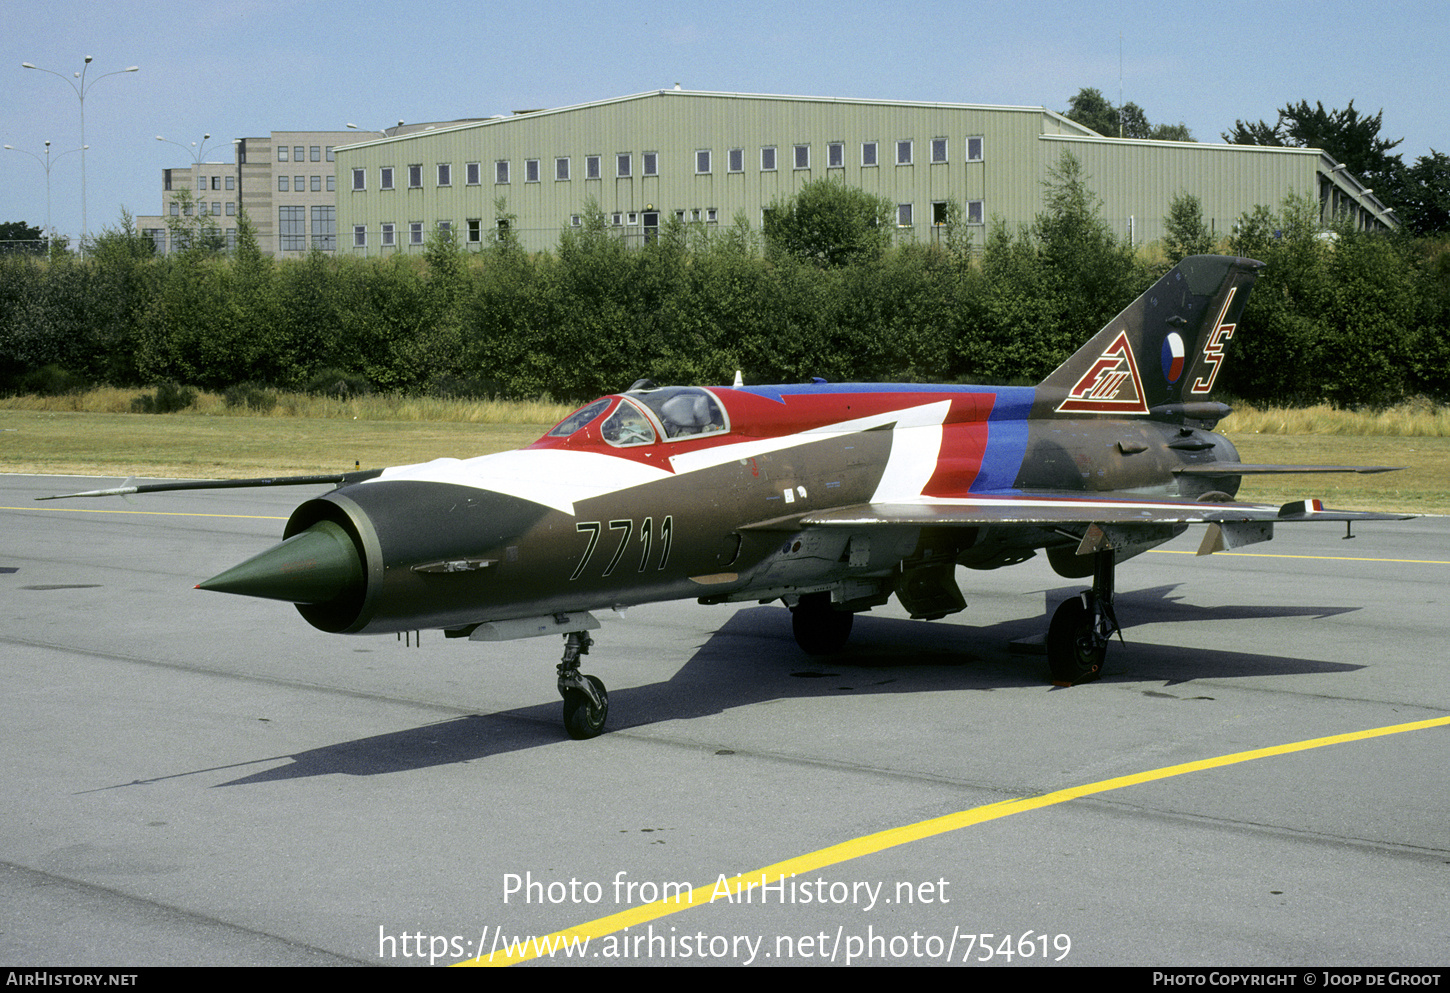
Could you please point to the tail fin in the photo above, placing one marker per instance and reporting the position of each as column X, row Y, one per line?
column 1166, row 347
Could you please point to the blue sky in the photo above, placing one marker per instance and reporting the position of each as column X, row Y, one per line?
column 247, row 67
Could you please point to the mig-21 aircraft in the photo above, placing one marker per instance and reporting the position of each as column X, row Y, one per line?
column 830, row 498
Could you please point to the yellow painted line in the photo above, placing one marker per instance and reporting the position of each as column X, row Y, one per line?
column 896, row 837
column 145, row 513
column 1328, row 558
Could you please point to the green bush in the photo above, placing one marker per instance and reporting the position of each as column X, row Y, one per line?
column 168, row 398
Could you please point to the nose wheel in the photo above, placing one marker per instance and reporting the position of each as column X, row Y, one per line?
column 586, row 702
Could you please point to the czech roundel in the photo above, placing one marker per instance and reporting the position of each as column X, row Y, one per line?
column 1172, row 357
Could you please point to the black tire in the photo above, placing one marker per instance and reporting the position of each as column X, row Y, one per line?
column 582, row 719
column 1071, row 653
column 818, row 629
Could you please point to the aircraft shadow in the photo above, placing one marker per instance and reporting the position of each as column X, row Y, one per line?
column 752, row 658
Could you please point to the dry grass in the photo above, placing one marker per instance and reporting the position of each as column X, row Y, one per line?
column 1416, row 419
column 376, row 407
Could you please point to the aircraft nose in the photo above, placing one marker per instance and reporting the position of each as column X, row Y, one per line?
column 318, row 565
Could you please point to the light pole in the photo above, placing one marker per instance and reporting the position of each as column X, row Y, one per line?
column 82, row 88
column 45, row 164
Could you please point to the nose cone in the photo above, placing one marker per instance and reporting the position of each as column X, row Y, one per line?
column 318, row 565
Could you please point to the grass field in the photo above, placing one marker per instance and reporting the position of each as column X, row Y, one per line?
column 88, row 435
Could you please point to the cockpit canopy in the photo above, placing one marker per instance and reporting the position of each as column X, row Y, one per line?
column 644, row 417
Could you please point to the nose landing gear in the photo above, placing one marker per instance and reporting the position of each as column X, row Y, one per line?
column 586, row 702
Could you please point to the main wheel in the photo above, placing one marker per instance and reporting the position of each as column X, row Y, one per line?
column 1074, row 653
column 818, row 629
column 581, row 718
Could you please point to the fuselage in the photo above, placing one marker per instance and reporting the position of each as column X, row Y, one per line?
column 686, row 492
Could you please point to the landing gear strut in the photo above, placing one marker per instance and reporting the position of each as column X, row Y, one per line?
column 1077, row 638
column 586, row 703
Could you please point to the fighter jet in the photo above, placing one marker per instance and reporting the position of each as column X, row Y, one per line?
column 830, row 498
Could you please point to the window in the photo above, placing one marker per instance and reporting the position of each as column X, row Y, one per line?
column 473, row 174
column 445, row 228
column 868, row 153
column 803, row 156
column 299, row 184
column 231, row 209
column 712, row 215
column 735, row 160
column 216, row 208
column 623, row 165
column 616, row 218
column 651, row 163
column 175, row 209
column 201, row 208
column 767, row 159
column 531, row 170
column 231, row 182
column 974, row 149
column 561, row 169
column 975, row 213
column 216, row 182
column 324, row 227
column 359, row 236
column 316, row 186
column 591, row 167
column 938, row 213
column 331, row 183
column 281, row 153
column 903, row 152
column 315, row 153
column 299, row 153
column 201, row 182
column 835, row 155
column 501, row 171
column 702, row 162
column 282, row 186
column 576, row 220
column 938, row 149
column 445, row 174
column 475, row 231
column 328, row 151
column 389, row 237
column 415, row 177
column 291, row 228
column 385, row 178
column 903, row 215
column 415, row 232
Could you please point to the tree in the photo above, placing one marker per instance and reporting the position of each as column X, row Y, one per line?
column 1093, row 110
column 1185, row 233
column 830, row 224
column 1351, row 139
column 19, row 238
column 1422, row 198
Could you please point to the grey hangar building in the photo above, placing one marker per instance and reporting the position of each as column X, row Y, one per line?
column 707, row 158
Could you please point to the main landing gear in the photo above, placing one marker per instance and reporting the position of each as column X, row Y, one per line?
column 1077, row 638
column 586, row 702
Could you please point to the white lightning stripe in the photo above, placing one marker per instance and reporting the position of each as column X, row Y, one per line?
column 560, row 478
column 927, row 415
column 553, row 477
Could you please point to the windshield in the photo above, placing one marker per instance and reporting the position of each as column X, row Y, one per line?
column 578, row 419
column 685, row 411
